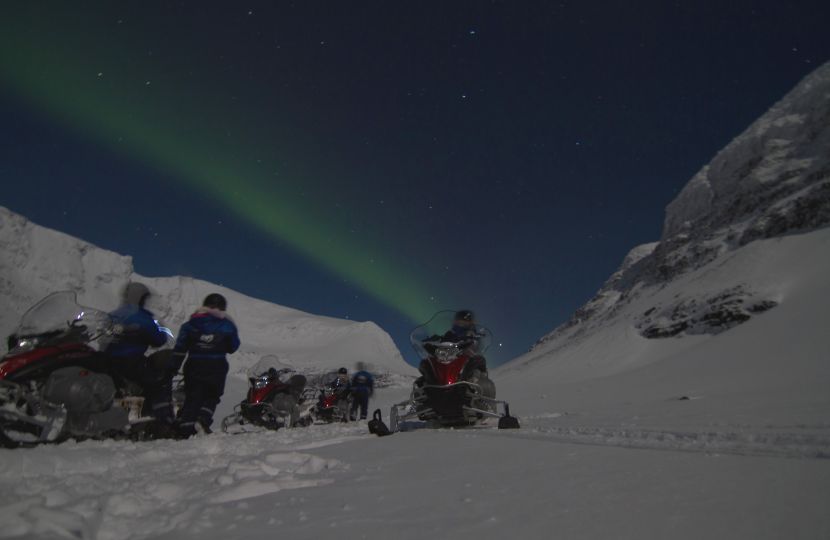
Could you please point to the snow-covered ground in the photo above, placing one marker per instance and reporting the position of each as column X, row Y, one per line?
column 537, row 482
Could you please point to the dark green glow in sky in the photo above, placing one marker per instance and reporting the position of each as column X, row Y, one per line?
column 225, row 155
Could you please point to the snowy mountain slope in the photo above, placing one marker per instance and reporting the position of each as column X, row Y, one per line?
column 781, row 157
column 772, row 180
column 301, row 340
column 36, row 261
column 773, row 370
column 722, row 325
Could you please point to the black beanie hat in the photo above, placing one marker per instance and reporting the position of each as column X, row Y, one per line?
column 216, row 301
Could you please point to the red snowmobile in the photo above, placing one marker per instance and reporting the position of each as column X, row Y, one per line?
column 277, row 398
column 55, row 384
column 454, row 389
column 334, row 401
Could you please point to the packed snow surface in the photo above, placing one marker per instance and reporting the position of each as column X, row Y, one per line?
column 542, row 481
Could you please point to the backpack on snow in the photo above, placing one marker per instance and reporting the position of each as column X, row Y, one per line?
column 377, row 426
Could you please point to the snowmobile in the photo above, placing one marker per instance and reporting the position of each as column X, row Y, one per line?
column 454, row 389
column 277, row 398
column 333, row 401
column 55, row 383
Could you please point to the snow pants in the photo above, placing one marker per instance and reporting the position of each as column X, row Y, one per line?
column 154, row 380
column 360, row 398
column 204, row 384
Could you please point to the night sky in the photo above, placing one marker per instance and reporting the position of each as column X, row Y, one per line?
column 384, row 160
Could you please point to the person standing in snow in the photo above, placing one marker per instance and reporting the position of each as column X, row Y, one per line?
column 206, row 340
column 134, row 330
column 362, row 387
column 340, row 384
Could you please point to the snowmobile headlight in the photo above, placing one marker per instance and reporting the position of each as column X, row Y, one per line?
column 24, row 345
column 445, row 355
column 260, row 382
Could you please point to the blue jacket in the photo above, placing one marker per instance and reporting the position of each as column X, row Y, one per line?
column 207, row 337
column 133, row 332
column 362, row 381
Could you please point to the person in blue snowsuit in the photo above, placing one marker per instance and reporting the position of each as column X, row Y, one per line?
column 135, row 330
column 205, row 340
column 362, row 387
column 340, row 385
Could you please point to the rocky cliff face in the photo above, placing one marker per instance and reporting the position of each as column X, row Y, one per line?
column 772, row 180
column 36, row 261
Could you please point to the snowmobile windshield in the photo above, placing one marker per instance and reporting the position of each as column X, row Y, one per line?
column 170, row 342
column 442, row 331
column 267, row 363
column 331, row 379
column 158, row 304
column 57, row 319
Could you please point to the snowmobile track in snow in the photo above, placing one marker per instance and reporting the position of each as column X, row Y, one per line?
column 784, row 445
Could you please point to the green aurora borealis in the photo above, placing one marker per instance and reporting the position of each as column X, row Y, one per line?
column 382, row 161
column 119, row 98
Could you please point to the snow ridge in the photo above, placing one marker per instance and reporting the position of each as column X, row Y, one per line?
column 773, row 444
column 36, row 261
